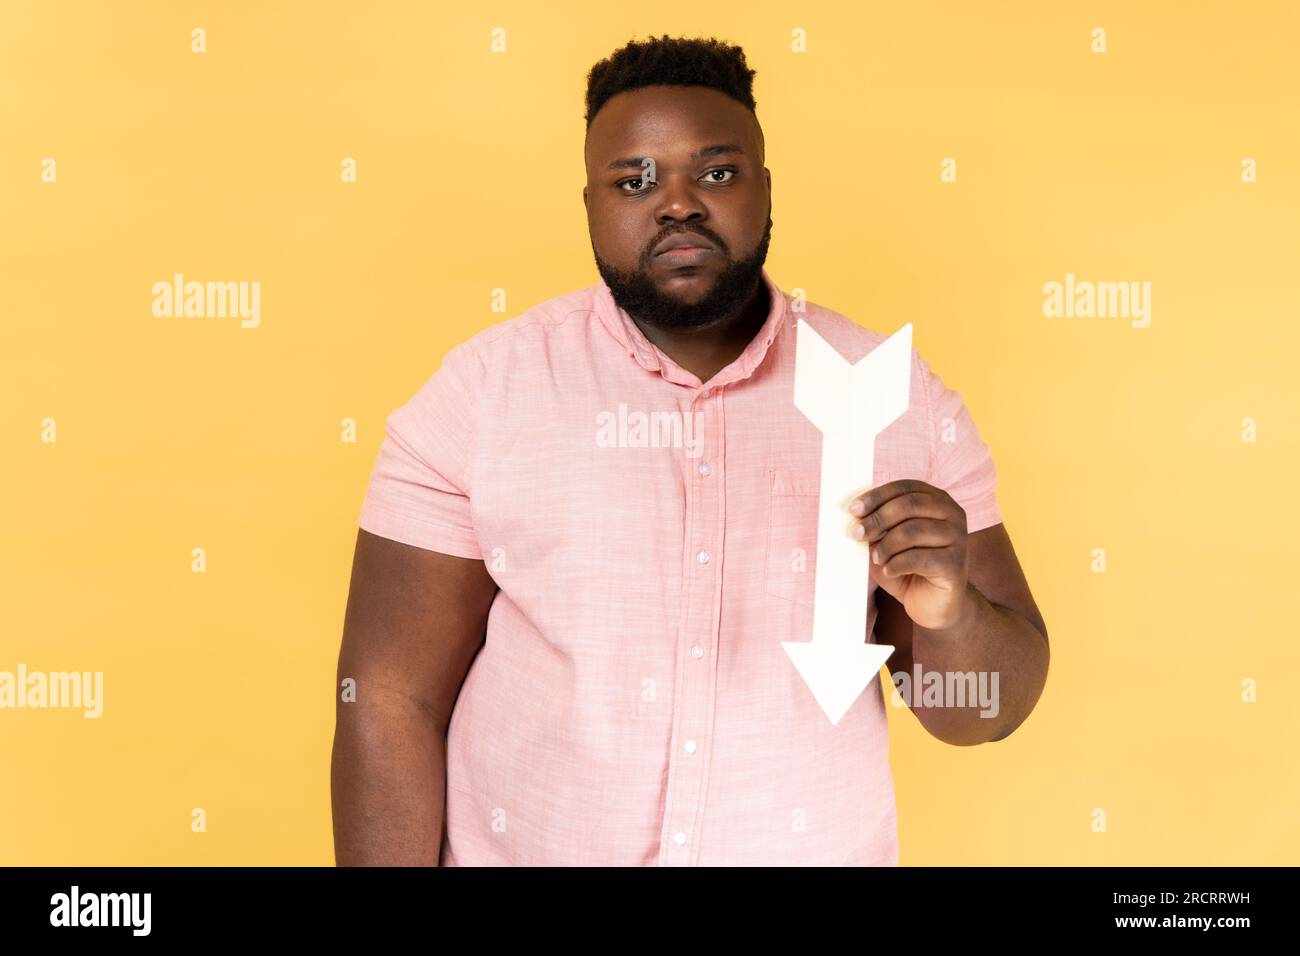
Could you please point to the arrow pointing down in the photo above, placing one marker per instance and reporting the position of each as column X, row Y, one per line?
column 850, row 405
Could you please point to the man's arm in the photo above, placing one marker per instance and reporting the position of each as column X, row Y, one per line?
column 415, row 619
column 1002, row 631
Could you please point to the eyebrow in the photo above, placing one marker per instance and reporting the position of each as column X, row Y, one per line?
column 635, row 162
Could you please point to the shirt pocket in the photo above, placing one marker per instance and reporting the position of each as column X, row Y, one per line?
column 790, row 564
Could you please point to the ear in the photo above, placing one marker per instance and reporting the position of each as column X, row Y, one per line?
column 584, row 196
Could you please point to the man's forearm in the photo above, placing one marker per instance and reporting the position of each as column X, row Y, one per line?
column 388, row 783
column 1002, row 649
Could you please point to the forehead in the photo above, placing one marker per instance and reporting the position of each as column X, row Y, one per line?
column 669, row 122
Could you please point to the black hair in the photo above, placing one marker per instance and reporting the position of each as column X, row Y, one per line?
column 672, row 61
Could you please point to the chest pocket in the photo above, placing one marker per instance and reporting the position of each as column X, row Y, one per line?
column 790, row 565
column 791, row 560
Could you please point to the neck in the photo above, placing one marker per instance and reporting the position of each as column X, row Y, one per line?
column 706, row 350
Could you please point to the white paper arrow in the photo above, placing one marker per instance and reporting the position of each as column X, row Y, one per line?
column 850, row 405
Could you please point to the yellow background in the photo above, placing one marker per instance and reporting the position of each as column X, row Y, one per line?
column 180, row 433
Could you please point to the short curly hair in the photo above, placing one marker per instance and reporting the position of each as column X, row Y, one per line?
column 673, row 61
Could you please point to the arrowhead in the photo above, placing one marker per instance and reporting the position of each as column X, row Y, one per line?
column 837, row 673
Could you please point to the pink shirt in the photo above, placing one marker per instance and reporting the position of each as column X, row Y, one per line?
column 654, row 540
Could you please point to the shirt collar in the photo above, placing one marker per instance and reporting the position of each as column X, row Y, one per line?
column 617, row 322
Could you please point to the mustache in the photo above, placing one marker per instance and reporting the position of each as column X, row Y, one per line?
column 649, row 250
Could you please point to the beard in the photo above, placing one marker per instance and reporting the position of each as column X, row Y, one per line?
column 637, row 295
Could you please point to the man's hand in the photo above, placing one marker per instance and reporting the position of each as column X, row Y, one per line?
column 917, row 536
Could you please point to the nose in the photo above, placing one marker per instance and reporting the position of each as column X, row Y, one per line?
column 678, row 201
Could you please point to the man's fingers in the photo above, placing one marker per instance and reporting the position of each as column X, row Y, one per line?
column 913, row 533
column 911, row 504
column 866, row 502
column 931, row 563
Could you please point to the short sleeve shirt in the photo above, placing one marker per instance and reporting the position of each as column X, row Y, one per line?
column 653, row 539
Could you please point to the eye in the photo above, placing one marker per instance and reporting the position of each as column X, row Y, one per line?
column 727, row 171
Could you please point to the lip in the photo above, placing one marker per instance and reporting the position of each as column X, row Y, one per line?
column 681, row 240
column 684, row 256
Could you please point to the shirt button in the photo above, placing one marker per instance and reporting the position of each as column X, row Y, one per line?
column 679, row 837
column 705, row 393
column 705, row 470
column 690, row 746
column 697, row 651
column 702, row 557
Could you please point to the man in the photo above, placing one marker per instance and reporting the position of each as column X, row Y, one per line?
column 587, row 536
